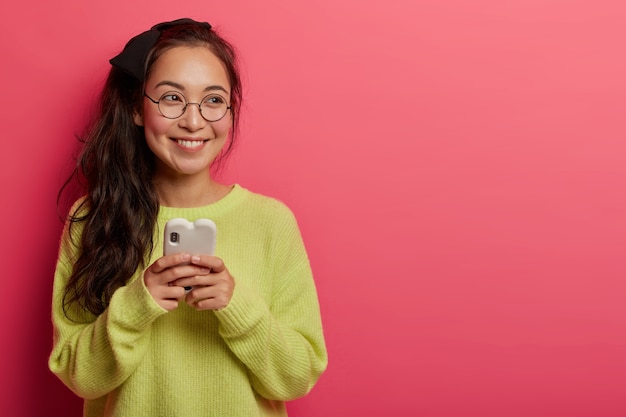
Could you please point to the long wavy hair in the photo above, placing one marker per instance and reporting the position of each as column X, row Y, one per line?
column 115, row 169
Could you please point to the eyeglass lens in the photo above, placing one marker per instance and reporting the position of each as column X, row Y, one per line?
column 213, row 107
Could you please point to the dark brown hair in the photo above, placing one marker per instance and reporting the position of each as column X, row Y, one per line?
column 120, row 205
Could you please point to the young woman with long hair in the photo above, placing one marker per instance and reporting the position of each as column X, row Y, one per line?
column 139, row 333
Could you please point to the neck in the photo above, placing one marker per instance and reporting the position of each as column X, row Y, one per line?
column 189, row 190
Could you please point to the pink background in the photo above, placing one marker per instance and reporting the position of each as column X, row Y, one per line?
column 457, row 168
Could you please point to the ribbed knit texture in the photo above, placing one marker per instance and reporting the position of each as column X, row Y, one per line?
column 266, row 347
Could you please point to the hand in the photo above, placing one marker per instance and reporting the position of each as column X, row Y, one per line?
column 211, row 291
column 160, row 278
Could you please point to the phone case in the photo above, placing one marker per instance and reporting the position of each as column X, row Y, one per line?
column 197, row 238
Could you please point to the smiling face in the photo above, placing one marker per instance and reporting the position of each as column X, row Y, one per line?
column 187, row 145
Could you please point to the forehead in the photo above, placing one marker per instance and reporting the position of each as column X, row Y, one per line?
column 192, row 67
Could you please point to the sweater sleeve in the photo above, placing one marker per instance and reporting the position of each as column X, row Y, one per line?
column 94, row 355
column 281, row 342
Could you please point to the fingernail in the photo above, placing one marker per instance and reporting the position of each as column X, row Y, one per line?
column 195, row 259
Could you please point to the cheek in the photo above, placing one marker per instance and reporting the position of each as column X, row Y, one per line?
column 223, row 127
column 155, row 124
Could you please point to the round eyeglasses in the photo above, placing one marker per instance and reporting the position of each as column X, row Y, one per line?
column 172, row 105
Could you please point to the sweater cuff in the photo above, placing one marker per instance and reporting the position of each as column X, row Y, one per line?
column 244, row 312
column 134, row 306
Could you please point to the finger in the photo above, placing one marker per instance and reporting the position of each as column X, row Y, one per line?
column 199, row 293
column 213, row 262
column 169, row 261
column 210, row 278
column 169, row 293
column 204, row 280
column 207, row 303
column 172, row 274
column 189, row 275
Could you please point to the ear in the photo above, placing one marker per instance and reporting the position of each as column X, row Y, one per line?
column 138, row 118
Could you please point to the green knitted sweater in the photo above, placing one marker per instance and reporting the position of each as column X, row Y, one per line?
column 266, row 347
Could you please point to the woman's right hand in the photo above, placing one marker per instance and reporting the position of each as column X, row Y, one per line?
column 159, row 276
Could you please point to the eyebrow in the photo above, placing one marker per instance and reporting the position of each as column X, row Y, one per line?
column 181, row 87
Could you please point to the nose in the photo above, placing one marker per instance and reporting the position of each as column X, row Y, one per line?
column 192, row 117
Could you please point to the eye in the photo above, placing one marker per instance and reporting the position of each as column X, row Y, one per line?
column 172, row 97
column 214, row 101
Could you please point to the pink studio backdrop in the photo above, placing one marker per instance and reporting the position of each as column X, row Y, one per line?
column 457, row 168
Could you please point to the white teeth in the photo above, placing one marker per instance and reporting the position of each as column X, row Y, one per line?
column 189, row 143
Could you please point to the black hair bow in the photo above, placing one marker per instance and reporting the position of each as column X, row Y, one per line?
column 133, row 58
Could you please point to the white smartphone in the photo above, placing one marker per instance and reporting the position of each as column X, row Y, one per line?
column 195, row 238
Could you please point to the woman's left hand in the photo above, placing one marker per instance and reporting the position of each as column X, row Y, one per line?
column 212, row 291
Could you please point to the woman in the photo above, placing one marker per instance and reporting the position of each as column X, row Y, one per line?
column 128, row 337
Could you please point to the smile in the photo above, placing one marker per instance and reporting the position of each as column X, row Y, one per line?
column 190, row 144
